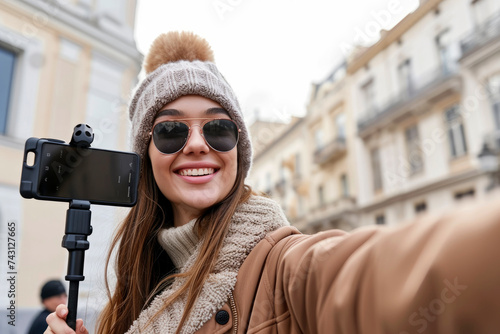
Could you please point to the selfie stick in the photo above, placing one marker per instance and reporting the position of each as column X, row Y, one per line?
column 77, row 230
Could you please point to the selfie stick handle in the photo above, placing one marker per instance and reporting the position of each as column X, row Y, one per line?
column 75, row 241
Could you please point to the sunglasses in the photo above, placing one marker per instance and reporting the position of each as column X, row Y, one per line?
column 170, row 137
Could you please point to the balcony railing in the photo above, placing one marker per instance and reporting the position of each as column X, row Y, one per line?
column 426, row 87
column 487, row 32
column 335, row 214
column 331, row 151
column 334, row 207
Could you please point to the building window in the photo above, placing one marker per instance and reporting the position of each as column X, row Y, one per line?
column 496, row 113
column 282, row 171
column 443, row 45
column 405, row 79
column 456, row 133
column 340, row 125
column 268, row 184
column 420, row 207
column 494, row 84
column 466, row 194
column 368, row 95
column 281, row 183
column 7, row 64
column 297, row 166
column 413, row 151
column 494, row 93
column 318, row 137
column 321, row 196
column 344, row 185
column 380, row 220
column 376, row 169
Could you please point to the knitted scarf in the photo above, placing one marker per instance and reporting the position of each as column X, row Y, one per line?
column 251, row 222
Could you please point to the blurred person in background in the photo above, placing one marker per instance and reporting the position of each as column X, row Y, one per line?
column 52, row 294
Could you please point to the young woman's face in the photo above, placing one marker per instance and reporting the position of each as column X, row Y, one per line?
column 197, row 176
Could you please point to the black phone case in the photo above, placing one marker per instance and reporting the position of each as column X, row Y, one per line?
column 30, row 174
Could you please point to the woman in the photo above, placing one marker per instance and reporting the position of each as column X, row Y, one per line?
column 201, row 253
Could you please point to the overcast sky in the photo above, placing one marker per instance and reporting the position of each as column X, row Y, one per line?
column 272, row 51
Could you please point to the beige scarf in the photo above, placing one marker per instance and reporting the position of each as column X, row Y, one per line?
column 252, row 221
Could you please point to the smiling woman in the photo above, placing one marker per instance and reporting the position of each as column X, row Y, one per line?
column 202, row 253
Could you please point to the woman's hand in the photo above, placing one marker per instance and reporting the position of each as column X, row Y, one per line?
column 57, row 323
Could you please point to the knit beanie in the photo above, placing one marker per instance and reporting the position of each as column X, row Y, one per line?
column 52, row 288
column 179, row 64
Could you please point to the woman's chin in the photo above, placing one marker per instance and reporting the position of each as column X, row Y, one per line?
column 199, row 203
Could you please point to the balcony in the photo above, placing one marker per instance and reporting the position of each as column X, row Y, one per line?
column 280, row 186
column 484, row 35
column 331, row 151
column 339, row 213
column 418, row 97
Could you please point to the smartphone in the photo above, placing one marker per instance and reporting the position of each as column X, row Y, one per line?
column 62, row 172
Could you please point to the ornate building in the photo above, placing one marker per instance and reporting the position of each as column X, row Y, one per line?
column 61, row 63
column 396, row 130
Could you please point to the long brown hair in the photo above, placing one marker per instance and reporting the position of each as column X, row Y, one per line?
column 143, row 268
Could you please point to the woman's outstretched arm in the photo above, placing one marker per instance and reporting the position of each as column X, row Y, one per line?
column 438, row 274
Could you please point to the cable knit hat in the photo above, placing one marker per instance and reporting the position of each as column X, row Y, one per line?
column 180, row 64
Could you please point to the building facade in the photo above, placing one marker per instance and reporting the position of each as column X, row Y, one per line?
column 305, row 167
column 280, row 166
column 396, row 130
column 62, row 63
column 422, row 111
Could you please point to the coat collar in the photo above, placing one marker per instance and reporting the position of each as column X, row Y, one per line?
column 251, row 222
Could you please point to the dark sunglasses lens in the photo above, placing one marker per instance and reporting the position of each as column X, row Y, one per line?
column 221, row 134
column 170, row 137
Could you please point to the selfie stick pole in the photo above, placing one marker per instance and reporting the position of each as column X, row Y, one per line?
column 77, row 229
column 75, row 241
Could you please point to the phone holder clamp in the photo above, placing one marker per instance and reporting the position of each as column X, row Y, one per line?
column 83, row 136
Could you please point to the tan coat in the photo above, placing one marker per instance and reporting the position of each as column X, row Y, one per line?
column 435, row 275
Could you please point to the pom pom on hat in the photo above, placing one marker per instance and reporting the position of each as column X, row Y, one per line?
column 175, row 46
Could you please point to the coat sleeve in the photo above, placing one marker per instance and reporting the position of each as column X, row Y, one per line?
column 434, row 275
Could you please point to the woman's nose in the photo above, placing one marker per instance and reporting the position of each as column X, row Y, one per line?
column 196, row 142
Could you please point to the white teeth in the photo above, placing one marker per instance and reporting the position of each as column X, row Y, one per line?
column 196, row 172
